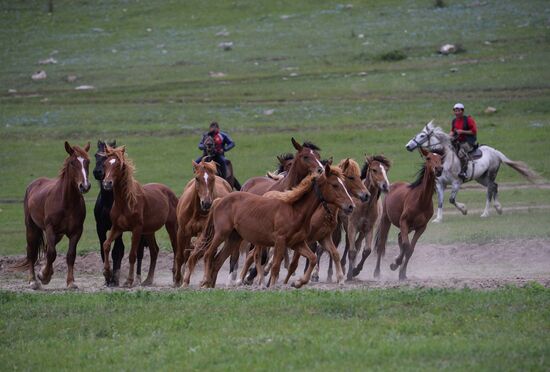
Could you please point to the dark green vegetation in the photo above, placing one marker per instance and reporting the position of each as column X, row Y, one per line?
column 504, row 329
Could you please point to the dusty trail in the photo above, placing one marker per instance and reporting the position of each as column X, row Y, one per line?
column 476, row 266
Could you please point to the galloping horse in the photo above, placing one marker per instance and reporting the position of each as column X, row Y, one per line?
column 484, row 170
column 360, row 224
column 140, row 209
column 102, row 214
column 280, row 221
column 53, row 208
column 193, row 207
column 409, row 207
column 210, row 149
column 325, row 220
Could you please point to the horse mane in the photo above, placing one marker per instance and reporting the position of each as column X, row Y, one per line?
column 352, row 165
column 311, row 145
column 379, row 158
column 419, row 176
column 129, row 186
column 211, row 166
column 283, row 158
column 294, row 194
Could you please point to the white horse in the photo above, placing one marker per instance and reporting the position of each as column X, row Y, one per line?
column 484, row 169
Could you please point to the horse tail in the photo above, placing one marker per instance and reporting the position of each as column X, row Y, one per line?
column 37, row 243
column 519, row 167
column 236, row 184
column 207, row 234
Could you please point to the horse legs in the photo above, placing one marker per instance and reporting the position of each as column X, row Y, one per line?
column 153, row 252
column 172, row 229
column 71, row 256
column 196, row 255
column 117, row 254
column 113, row 234
column 213, row 263
column 139, row 255
column 329, row 246
column 440, row 188
column 381, row 239
column 304, row 250
column 279, row 251
column 354, row 247
column 293, row 265
column 45, row 275
column 34, row 244
column 402, row 249
column 319, row 252
column 455, row 188
column 247, row 263
column 136, row 238
column 183, row 244
column 233, row 266
column 366, row 252
column 409, row 252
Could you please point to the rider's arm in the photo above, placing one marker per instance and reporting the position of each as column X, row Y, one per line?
column 201, row 144
column 228, row 143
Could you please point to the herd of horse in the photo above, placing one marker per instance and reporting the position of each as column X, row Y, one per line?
column 303, row 207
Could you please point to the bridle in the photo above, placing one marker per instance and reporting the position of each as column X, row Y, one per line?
column 428, row 138
column 320, row 196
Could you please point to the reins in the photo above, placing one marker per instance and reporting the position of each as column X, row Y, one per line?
column 320, row 196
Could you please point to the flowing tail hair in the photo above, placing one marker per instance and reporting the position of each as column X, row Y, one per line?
column 519, row 167
column 38, row 243
column 380, row 248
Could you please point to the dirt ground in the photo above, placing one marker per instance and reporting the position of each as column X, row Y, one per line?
column 475, row 266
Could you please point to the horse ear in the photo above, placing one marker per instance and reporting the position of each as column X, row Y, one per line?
column 113, row 144
column 100, row 143
column 346, row 164
column 123, row 149
column 195, row 164
column 87, row 147
column 330, row 161
column 296, row 145
column 327, row 169
column 68, row 148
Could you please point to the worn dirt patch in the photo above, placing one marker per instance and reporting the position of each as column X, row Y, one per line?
column 462, row 265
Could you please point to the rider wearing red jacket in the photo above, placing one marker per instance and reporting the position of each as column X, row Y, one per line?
column 464, row 131
column 222, row 143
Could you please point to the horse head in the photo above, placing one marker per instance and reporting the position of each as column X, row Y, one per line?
column 77, row 165
column 422, row 138
column 433, row 161
column 352, row 179
column 209, row 146
column 307, row 158
column 114, row 166
column 376, row 170
column 205, row 181
column 331, row 189
column 100, row 157
column 285, row 162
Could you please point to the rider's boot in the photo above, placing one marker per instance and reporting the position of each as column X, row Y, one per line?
column 463, row 168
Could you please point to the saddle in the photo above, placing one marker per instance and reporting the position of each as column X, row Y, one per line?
column 475, row 153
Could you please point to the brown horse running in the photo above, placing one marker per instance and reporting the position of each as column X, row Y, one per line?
column 280, row 221
column 324, row 220
column 140, row 209
column 360, row 224
column 53, row 208
column 409, row 207
column 193, row 207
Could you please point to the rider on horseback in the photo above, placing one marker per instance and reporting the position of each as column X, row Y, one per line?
column 464, row 133
column 222, row 143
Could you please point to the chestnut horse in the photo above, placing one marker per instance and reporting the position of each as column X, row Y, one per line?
column 360, row 224
column 53, row 208
column 193, row 207
column 102, row 214
column 325, row 220
column 140, row 209
column 409, row 207
column 281, row 220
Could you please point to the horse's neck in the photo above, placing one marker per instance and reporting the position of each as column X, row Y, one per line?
column 107, row 196
column 68, row 189
column 427, row 188
column 125, row 192
column 293, row 178
column 305, row 207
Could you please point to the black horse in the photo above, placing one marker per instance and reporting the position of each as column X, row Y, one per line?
column 102, row 214
column 210, row 152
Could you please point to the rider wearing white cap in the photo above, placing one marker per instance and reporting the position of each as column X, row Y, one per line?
column 464, row 131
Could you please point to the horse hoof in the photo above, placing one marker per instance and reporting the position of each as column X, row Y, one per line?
column 499, row 210
column 402, row 278
column 436, row 220
column 43, row 279
column 484, row 215
column 72, row 286
column 137, row 281
column 147, row 283
column 296, row 284
column 376, row 274
column 393, row 266
column 128, row 283
column 356, row 272
column 34, row 285
column 315, row 278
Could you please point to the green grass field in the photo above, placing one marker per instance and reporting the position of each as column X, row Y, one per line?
column 314, row 70
column 504, row 329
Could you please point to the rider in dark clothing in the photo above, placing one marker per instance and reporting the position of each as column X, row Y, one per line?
column 222, row 143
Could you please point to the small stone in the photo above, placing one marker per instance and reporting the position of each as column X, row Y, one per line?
column 39, row 75
column 490, row 110
column 85, row 87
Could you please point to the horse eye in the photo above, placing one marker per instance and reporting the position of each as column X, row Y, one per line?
column 351, row 178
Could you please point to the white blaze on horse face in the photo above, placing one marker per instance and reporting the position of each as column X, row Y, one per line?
column 318, row 162
column 346, row 190
column 206, row 182
column 81, row 160
column 112, row 161
column 385, row 175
